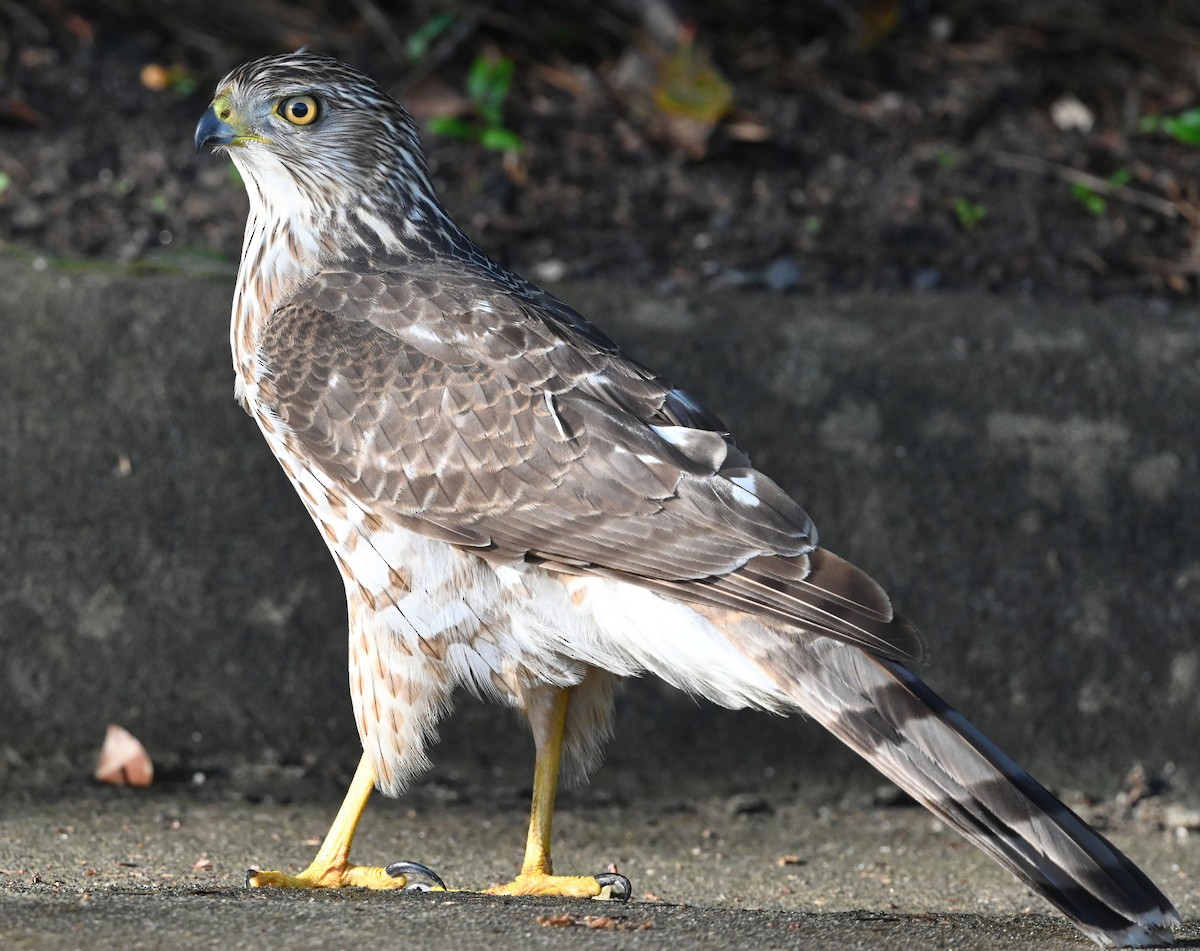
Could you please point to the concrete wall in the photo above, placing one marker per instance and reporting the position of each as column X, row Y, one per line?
column 1021, row 476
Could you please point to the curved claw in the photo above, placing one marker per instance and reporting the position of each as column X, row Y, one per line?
column 620, row 888
column 396, row 869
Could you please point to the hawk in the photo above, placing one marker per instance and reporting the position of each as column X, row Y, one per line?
column 519, row 509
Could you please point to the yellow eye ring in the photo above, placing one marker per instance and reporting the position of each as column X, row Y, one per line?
column 298, row 110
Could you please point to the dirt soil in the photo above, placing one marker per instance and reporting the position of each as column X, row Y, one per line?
column 870, row 144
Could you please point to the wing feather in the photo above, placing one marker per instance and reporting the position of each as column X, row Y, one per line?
column 501, row 417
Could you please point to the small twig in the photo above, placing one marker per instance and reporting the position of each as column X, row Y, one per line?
column 1031, row 163
column 1183, row 266
column 377, row 20
column 18, row 13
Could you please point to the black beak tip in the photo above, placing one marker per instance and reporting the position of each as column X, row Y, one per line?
column 212, row 131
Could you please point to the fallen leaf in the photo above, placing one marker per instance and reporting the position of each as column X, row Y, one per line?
column 561, row 920
column 749, row 128
column 155, row 77
column 159, row 78
column 880, row 18
column 690, row 85
column 1070, row 115
column 81, row 29
column 13, row 109
column 123, row 760
column 594, row 922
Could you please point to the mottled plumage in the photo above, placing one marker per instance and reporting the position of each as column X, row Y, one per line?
column 517, row 507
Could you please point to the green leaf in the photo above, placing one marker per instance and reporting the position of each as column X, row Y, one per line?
column 1095, row 201
column 502, row 76
column 1095, row 204
column 488, row 84
column 968, row 213
column 1184, row 127
column 5, row 181
column 452, row 127
column 501, row 140
column 419, row 43
column 948, row 159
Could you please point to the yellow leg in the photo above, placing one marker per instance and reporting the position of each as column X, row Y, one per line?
column 536, row 876
column 331, row 867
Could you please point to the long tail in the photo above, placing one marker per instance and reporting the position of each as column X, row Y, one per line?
column 887, row 714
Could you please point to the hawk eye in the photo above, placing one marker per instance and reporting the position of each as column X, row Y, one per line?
column 298, row 110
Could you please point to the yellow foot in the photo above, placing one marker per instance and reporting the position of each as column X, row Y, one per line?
column 607, row 886
column 344, row 875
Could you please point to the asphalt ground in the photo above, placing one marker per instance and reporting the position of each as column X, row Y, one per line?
column 163, row 868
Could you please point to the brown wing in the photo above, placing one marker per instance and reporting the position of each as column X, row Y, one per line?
column 499, row 419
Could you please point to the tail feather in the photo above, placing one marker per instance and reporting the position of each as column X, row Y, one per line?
column 888, row 715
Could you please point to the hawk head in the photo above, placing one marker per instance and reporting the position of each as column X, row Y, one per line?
column 315, row 139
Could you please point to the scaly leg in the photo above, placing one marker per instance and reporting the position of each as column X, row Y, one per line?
column 331, row 866
column 537, row 876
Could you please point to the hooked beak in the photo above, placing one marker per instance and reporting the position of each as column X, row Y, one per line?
column 212, row 130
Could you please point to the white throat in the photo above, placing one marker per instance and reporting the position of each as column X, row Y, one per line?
column 282, row 249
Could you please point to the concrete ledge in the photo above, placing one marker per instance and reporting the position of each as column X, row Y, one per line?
column 1021, row 477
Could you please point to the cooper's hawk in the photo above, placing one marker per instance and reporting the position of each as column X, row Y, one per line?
column 518, row 508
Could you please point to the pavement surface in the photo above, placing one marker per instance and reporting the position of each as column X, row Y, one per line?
column 1021, row 476
column 163, row 868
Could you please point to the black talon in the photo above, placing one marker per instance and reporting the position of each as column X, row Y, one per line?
column 621, row 887
column 396, row 869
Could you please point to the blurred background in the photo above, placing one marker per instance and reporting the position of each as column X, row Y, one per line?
column 1007, row 146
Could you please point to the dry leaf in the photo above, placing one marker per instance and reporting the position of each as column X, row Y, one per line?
column 123, row 760
column 555, row 921
column 155, row 77
column 690, row 85
column 748, row 128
